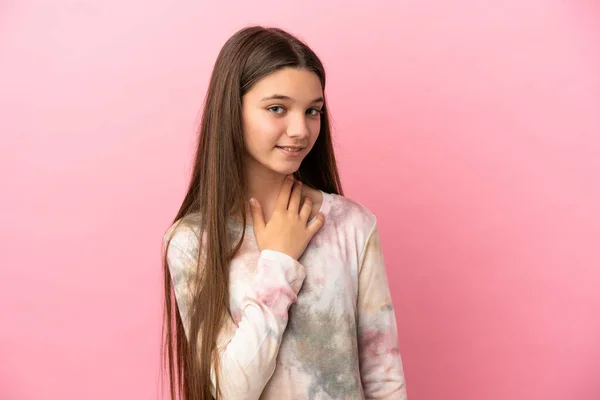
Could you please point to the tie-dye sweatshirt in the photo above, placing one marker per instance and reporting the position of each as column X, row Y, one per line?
column 322, row 327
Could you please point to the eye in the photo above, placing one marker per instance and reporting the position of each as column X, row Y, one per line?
column 276, row 109
column 314, row 112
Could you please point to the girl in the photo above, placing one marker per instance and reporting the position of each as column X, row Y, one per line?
column 275, row 283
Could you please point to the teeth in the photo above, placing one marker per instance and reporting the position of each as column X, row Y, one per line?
column 290, row 149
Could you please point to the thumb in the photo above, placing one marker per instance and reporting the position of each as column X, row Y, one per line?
column 257, row 215
column 317, row 224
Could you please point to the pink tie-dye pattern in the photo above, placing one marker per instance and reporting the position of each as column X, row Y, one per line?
column 322, row 327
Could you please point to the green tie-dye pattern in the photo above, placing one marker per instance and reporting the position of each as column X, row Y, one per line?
column 331, row 365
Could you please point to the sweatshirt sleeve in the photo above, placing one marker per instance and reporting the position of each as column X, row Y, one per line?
column 381, row 367
column 248, row 351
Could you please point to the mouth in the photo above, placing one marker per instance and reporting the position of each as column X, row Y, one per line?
column 291, row 149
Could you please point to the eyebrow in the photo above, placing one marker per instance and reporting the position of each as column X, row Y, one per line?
column 283, row 97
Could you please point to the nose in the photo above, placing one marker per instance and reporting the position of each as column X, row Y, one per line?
column 298, row 127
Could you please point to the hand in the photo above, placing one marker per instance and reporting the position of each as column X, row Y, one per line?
column 288, row 230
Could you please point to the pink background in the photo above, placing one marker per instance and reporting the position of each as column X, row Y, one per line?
column 471, row 130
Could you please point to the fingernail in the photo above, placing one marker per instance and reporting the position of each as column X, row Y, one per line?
column 253, row 201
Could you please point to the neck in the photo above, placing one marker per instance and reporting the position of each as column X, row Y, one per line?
column 264, row 185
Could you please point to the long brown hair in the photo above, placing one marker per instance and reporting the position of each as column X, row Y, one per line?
column 216, row 192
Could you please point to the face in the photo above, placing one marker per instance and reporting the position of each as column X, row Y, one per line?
column 282, row 119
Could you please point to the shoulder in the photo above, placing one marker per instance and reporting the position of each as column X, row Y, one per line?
column 182, row 238
column 347, row 214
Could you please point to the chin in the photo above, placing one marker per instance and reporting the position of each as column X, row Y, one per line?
column 285, row 169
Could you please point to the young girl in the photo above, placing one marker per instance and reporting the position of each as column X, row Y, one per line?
column 275, row 283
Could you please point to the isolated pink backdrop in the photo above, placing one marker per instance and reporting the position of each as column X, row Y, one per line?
column 470, row 128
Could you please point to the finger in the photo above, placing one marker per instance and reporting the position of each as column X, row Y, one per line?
column 257, row 215
column 284, row 194
column 306, row 208
column 316, row 224
column 296, row 197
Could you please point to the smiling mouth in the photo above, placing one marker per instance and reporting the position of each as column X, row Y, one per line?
column 291, row 149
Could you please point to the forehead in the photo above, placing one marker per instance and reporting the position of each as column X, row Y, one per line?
column 298, row 83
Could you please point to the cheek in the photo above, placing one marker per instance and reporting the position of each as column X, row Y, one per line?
column 262, row 131
column 315, row 128
column 270, row 130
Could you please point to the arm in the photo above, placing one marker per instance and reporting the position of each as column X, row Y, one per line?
column 380, row 361
column 248, row 355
